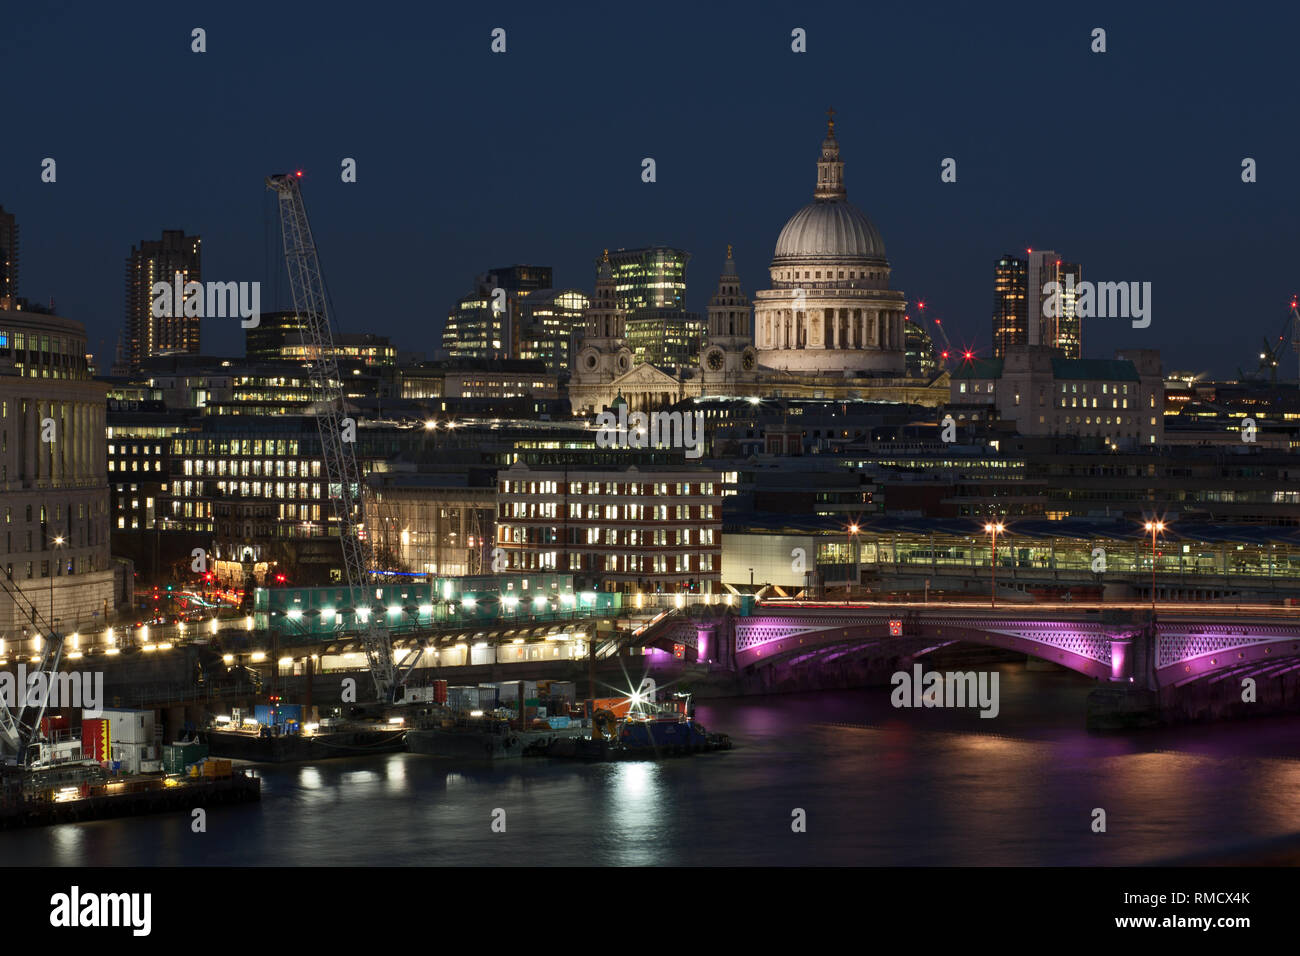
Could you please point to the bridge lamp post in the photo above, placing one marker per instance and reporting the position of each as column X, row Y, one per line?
column 851, row 540
column 994, row 528
column 1156, row 528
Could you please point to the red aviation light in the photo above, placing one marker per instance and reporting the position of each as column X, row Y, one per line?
column 970, row 355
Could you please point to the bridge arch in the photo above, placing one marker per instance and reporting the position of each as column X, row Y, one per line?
column 769, row 639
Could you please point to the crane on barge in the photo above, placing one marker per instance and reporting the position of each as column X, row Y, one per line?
column 337, row 433
column 20, row 727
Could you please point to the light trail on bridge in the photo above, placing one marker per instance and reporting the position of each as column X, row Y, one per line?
column 1004, row 608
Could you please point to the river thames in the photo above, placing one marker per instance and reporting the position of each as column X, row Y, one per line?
column 877, row 786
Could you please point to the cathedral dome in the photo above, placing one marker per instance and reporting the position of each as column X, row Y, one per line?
column 829, row 229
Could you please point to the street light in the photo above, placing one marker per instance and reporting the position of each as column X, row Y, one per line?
column 994, row 528
column 849, row 538
column 1156, row 528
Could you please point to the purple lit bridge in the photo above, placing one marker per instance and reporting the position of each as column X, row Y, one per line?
column 1192, row 653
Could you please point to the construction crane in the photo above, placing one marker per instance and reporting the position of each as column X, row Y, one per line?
column 18, row 731
column 945, row 356
column 310, row 302
column 1270, row 358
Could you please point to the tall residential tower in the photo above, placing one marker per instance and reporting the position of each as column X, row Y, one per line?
column 145, row 335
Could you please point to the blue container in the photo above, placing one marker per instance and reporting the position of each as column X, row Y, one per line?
column 268, row 715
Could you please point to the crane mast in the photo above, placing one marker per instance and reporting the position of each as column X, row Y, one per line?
column 309, row 301
column 18, row 731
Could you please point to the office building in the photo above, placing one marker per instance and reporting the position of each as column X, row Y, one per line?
column 667, row 338
column 485, row 323
column 548, row 327
column 1119, row 400
column 649, row 278
column 615, row 529
column 54, row 499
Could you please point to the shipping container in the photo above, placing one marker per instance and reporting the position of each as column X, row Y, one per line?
column 95, row 741
column 178, row 756
column 564, row 688
column 129, row 726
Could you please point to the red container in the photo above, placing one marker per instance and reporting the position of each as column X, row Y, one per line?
column 94, row 738
column 440, row 692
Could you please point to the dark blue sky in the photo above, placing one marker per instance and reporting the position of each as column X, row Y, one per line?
column 1128, row 162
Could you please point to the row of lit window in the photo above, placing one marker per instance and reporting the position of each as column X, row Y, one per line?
column 658, row 489
column 235, row 446
column 279, row 467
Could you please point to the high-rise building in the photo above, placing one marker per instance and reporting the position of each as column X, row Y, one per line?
column 8, row 255
column 1057, row 327
column 484, row 323
column 159, row 260
column 1020, row 295
column 1010, row 304
column 650, row 286
column 649, row 278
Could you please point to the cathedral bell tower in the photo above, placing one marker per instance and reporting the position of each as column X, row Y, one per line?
column 603, row 354
column 728, row 359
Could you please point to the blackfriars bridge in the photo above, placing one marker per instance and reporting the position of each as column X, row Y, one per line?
column 1184, row 661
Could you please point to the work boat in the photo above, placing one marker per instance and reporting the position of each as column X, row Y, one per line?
column 667, row 728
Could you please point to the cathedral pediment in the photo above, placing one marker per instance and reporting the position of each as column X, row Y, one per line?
column 645, row 376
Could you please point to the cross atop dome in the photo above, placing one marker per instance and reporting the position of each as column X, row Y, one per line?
column 830, row 122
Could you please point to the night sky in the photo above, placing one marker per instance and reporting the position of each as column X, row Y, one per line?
column 1128, row 162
